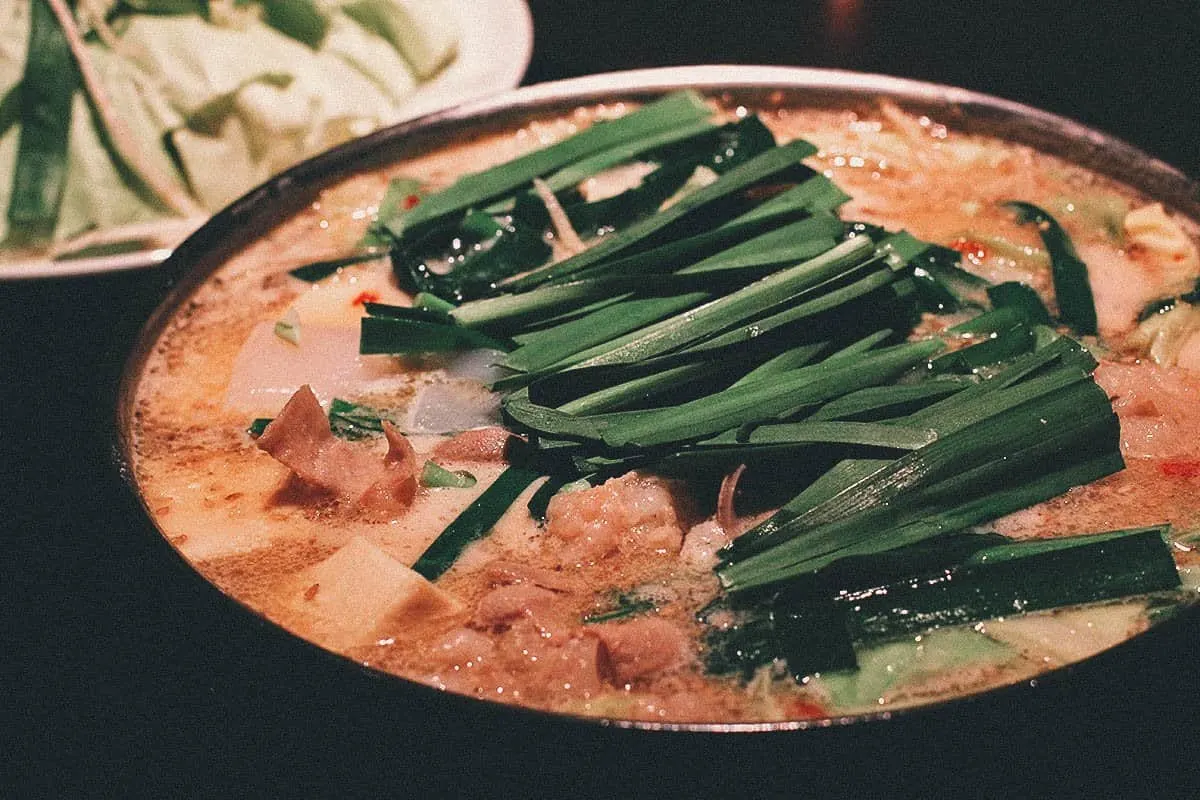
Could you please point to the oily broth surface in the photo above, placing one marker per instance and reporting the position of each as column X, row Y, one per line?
column 233, row 512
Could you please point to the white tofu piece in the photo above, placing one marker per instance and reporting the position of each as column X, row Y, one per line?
column 362, row 595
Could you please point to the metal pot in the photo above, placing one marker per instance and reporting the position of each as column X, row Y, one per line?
column 1129, row 691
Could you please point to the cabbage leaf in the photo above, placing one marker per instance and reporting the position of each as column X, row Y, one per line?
column 253, row 87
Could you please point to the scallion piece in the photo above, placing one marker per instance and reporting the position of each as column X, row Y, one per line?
column 10, row 108
column 764, row 399
column 726, row 311
column 475, row 522
column 259, row 425
column 402, row 196
column 435, row 476
column 395, row 336
column 477, row 189
column 770, row 163
column 916, row 588
column 576, row 173
column 1072, row 289
column 1018, row 577
column 1023, row 299
column 46, row 99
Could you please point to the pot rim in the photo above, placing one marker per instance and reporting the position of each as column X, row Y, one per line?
column 208, row 247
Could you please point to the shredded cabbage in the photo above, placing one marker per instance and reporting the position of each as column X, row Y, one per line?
column 253, row 87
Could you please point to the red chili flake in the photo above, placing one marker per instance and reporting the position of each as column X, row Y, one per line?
column 970, row 248
column 1180, row 469
column 369, row 296
column 410, row 201
column 311, row 591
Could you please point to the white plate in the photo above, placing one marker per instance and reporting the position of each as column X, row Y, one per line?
column 494, row 48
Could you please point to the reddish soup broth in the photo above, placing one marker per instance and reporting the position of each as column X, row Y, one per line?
column 595, row 610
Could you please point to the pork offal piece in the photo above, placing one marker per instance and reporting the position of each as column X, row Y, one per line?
column 300, row 439
column 629, row 513
column 1159, row 408
column 641, row 647
column 484, row 445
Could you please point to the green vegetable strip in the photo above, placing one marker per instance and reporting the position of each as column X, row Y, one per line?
column 983, row 401
column 679, row 331
column 861, row 346
column 475, row 522
column 1004, row 501
column 994, row 321
column 803, row 309
column 10, row 109
column 258, row 425
column 47, row 90
column 571, row 176
column 1022, row 576
column 814, row 194
column 965, row 578
column 319, row 270
column 436, row 476
column 1072, row 289
column 1008, row 551
column 724, row 312
column 637, row 390
column 809, row 637
column 872, row 434
column 552, row 422
column 948, row 474
column 763, row 399
column 555, row 299
column 887, row 401
column 751, row 172
column 952, row 418
column 415, row 313
column 559, row 344
column 817, row 193
column 786, row 361
column 392, row 336
column 478, row 188
column 353, row 421
column 1003, row 346
column 917, row 524
column 774, row 247
column 546, row 301
column 299, row 19
column 1023, row 299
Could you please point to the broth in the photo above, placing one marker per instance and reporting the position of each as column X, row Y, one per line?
column 595, row 611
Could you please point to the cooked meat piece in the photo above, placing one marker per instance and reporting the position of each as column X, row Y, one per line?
column 477, row 444
column 632, row 512
column 641, row 647
column 300, row 439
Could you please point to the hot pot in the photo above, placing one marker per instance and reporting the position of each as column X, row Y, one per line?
column 1101, row 719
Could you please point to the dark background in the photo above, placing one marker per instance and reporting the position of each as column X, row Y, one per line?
column 123, row 675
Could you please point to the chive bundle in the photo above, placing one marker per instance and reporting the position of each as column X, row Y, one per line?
column 742, row 322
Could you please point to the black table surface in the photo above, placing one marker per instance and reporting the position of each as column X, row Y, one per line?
column 125, row 676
